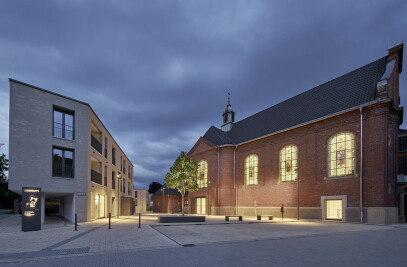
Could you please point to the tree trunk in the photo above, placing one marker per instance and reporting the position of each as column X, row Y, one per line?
column 182, row 204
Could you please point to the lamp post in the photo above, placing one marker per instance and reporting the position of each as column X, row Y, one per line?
column 162, row 202
column 298, row 194
column 209, row 203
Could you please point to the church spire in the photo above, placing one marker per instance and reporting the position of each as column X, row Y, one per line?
column 228, row 117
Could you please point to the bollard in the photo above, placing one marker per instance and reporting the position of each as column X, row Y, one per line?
column 109, row 220
column 76, row 222
column 139, row 220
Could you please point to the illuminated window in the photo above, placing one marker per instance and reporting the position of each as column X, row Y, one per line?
column 203, row 174
column 288, row 163
column 251, row 169
column 341, row 155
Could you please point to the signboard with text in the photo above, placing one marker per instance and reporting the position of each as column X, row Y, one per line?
column 31, row 209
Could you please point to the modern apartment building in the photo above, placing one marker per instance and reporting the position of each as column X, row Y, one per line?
column 61, row 146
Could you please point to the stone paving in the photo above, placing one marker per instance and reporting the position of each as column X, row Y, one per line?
column 93, row 238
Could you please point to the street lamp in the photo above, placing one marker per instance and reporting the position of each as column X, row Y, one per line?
column 209, row 203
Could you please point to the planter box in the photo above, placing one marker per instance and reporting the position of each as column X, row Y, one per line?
column 180, row 219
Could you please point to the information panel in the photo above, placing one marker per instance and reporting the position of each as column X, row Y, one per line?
column 31, row 209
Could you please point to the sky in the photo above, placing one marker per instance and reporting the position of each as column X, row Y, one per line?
column 157, row 73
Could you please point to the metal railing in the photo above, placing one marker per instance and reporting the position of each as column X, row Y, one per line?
column 96, row 144
column 63, row 131
column 95, row 177
column 66, row 170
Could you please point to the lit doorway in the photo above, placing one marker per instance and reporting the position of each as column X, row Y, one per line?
column 334, row 209
column 201, row 205
column 102, row 206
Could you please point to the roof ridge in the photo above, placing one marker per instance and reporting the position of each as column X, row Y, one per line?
column 222, row 136
column 313, row 88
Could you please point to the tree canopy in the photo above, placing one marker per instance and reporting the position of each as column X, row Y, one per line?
column 183, row 176
column 3, row 168
column 153, row 187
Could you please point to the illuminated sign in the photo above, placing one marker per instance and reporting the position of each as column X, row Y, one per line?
column 31, row 209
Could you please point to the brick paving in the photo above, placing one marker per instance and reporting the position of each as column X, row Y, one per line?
column 94, row 238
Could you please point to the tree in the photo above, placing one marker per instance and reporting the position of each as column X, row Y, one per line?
column 183, row 176
column 153, row 187
column 3, row 168
column 6, row 196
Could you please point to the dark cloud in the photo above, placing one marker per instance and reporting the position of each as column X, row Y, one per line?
column 157, row 72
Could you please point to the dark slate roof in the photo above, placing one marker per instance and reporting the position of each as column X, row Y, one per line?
column 345, row 92
column 168, row 191
column 402, row 132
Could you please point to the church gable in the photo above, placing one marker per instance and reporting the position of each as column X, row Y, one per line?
column 200, row 146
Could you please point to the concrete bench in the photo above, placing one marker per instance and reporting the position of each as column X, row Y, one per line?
column 237, row 216
column 270, row 217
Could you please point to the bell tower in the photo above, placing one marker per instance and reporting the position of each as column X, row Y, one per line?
column 228, row 117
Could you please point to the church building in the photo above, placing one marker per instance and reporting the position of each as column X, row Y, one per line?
column 328, row 153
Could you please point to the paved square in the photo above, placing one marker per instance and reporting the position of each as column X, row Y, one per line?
column 94, row 240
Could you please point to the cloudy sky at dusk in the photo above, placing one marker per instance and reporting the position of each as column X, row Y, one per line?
column 157, row 73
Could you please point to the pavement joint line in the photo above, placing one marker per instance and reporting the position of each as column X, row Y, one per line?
column 16, row 260
column 165, row 236
column 51, row 250
column 63, row 242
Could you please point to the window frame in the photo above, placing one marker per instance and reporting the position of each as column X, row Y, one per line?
column 63, row 175
column 353, row 158
column 247, row 170
column 294, row 167
column 64, row 112
column 202, row 183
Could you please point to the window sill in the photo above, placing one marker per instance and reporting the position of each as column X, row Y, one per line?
column 60, row 138
column 251, row 185
column 341, row 177
column 62, row 178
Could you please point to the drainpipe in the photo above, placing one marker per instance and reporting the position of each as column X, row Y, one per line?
column 218, row 182
column 234, row 178
column 361, row 166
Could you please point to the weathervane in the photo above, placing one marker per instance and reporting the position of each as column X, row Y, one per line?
column 228, row 98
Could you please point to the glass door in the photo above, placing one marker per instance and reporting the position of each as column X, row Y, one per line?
column 334, row 209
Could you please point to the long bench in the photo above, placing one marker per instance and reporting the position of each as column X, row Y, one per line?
column 270, row 217
column 237, row 216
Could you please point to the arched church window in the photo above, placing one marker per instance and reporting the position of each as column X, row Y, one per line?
column 202, row 174
column 341, row 155
column 289, row 163
column 251, row 169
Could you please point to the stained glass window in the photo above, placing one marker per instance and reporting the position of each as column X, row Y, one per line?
column 251, row 169
column 288, row 163
column 341, row 155
column 202, row 174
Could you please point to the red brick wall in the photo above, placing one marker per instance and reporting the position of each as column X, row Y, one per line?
column 166, row 204
column 311, row 140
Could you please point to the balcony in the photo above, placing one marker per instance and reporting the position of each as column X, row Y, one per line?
column 96, row 144
column 95, row 177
